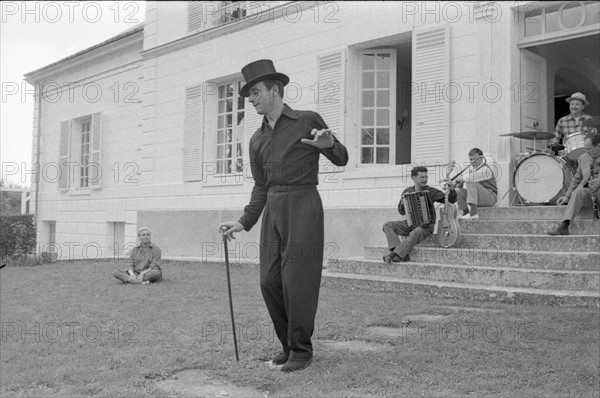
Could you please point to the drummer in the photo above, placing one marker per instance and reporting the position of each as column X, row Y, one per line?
column 573, row 122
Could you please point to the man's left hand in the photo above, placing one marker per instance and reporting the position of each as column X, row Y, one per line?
column 323, row 139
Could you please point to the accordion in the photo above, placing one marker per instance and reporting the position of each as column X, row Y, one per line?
column 419, row 209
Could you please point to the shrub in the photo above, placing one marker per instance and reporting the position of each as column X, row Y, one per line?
column 17, row 235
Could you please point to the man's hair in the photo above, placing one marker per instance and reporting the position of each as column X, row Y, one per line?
column 594, row 138
column 144, row 229
column 269, row 84
column 475, row 151
column 419, row 169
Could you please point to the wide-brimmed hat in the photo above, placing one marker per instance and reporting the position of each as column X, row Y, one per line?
column 578, row 96
column 258, row 71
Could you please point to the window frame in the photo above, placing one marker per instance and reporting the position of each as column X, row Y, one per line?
column 235, row 140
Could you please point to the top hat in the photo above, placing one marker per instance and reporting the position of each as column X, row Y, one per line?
column 578, row 96
column 258, row 71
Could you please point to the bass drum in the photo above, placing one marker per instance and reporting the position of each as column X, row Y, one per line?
column 542, row 178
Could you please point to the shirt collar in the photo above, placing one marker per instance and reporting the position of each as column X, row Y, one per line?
column 140, row 246
column 287, row 111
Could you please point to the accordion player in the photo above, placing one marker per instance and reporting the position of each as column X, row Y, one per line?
column 420, row 211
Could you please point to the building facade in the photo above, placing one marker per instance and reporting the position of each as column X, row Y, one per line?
column 147, row 128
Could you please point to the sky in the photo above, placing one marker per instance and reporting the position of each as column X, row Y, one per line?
column 34, row 34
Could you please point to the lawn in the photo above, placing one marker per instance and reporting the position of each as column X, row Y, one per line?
column 69, row 329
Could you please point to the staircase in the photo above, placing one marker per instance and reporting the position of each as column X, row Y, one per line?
column 504, row 256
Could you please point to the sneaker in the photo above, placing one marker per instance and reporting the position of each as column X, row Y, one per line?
column 145, row 282
column 469, row 217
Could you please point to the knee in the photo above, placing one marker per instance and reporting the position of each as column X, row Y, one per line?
column 269, row 282
column 420, row 232
column 117, row 273
column 387, row 226
column 580, row 192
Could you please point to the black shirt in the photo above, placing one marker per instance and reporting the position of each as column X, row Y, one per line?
column 277, row 157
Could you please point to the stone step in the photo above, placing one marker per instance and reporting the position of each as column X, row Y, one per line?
column 431, row 253
column 471, row 274
column 575, row 243
column 461, row 291
column 528, row 213
column 527, row 227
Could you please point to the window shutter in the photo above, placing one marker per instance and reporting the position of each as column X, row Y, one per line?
column 330, row 101
column 192, row 134
column 64, row 155
column 194, row 15
column 96, row 152
column 431, row 112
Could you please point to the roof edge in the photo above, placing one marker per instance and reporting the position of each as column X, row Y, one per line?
column 129, row 32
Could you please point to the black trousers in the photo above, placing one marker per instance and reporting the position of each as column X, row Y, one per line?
column 291, row 263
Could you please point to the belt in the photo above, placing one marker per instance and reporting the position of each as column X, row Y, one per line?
column 287, row 188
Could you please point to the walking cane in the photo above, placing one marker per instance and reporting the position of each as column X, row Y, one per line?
column 237, row 358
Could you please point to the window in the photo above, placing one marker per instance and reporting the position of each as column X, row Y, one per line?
column 52, row 236
column 229, row 11
column 230, row 129
column 84, row 158
column 79, row 156
column 377, row 106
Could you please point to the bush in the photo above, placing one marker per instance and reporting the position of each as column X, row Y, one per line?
column 17, row 235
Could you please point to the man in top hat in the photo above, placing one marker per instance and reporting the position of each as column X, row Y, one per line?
column 284, row 160
column 573, row 122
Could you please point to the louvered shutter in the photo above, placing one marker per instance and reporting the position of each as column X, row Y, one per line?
column 194, row 16
column 330, row 101
column 192, row 135
column 430, row 111
column 96, row 152
column 64, row 155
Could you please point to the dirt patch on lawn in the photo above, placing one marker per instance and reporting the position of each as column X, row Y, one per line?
column 353, row 345
column 197, row 383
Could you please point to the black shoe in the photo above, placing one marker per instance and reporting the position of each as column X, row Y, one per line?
column 559, row 231
column 403, row 259
column 293, row 365
column 280, row 358
column 388, row 258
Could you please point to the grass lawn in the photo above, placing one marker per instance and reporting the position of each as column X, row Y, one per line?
column 70, row 329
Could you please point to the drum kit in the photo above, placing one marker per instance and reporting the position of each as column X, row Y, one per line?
column 541, row 178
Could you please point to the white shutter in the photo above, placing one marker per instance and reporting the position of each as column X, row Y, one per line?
column 430, row 112
column 96, row 152
column 195, row 15
column 192, row 134
column 330, row 101
column 64, row 155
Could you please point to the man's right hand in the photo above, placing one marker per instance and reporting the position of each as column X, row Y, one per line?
column 563, row 200
column 228, row 228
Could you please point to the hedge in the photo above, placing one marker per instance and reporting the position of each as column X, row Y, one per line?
column 17, row 235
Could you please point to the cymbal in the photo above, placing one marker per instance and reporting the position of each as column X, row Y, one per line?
column 531, row 135
column 592, row 122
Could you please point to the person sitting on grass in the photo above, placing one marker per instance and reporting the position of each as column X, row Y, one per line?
column 145, row 262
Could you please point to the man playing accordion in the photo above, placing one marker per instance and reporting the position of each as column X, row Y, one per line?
column 399, row 251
